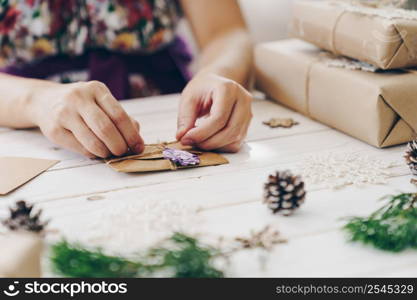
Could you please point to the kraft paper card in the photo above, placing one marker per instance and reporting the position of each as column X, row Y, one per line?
column 16, row 171
column 384, row 37
column 152, row 159
column 20, row 255
column 378, row 108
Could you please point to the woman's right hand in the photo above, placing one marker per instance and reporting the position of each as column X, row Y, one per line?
column 85, row 117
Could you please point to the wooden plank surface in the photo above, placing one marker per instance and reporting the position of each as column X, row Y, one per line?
column 227, row 198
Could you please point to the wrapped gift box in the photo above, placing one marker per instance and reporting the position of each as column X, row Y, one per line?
column 386, row 38
column 378, row 108
column 20, row 255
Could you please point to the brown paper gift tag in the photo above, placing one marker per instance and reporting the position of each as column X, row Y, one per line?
column 20, row 255
column 152, row 159
column 16, row 171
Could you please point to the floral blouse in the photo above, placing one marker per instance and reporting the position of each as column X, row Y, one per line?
column 33, row 30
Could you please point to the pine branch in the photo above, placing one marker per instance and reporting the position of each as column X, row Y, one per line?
column 189, row 260
column 393, row 227
column 72, row 260
column 182, row 256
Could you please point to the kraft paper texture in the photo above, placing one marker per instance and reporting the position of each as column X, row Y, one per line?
column 152, row 159
column 16, row 171
column 20, row 255
column 386, row 40
column 378, row 108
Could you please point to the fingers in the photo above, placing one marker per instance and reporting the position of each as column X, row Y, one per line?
column 236, row 146
column 71, row 143
column 103, row 128
column 187, row 115
column 86, row 118
column 233, row 133
column 135, row 124
column 231, row 148
column 123, row 123
column 86, row 137
column 67, row 140
column 224, row 100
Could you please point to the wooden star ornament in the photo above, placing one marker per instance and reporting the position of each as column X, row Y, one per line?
column 280, row 122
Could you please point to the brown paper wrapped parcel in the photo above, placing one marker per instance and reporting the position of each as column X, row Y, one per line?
column 378, row 108
column 386, row 38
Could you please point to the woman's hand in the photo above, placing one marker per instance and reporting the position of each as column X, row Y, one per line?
column 226, row 106
column 86, row 118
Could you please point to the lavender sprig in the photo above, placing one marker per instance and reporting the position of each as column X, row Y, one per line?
column 181, row 157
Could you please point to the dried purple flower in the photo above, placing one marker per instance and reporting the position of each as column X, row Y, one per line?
column 181, row 157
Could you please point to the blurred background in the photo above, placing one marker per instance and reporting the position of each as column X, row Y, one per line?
column 267, row 20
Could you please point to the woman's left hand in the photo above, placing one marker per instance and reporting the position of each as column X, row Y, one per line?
column 226, row 108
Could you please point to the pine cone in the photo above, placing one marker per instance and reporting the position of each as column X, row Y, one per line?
column 284, row 192
column 411, row 156
column 21, row 218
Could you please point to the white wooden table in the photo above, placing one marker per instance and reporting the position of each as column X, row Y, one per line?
column 229, row 196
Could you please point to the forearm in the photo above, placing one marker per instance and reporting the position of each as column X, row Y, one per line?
column 16, row 100
column 228, row 55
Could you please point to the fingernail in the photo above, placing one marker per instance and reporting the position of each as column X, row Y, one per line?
column 187, row 142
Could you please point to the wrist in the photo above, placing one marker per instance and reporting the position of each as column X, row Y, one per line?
column 32, row 102
column 224, row 71
column 215, row 71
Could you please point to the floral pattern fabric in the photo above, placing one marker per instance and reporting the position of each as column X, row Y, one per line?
column 34, row 29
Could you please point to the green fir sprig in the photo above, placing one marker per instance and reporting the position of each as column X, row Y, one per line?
column 393, row 227
column 73, row 260
column 181, row 256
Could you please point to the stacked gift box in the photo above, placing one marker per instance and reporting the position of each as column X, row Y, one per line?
column 364, row 85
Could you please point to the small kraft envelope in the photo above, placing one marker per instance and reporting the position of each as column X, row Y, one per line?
column 16, row 171
column 152, row 159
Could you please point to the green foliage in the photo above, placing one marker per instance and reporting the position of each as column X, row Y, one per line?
column 183, row 257
column 75, row 261
column 393, row 227
column 189, row 260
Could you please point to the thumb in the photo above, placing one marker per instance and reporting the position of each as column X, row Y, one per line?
column 141, row 144
column 187, row 116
